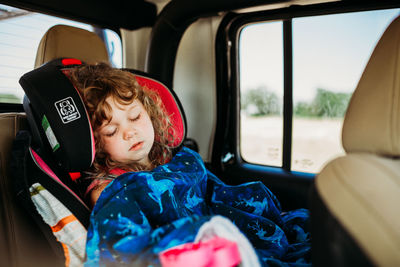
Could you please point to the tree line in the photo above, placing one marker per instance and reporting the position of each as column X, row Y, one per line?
column 262, row 102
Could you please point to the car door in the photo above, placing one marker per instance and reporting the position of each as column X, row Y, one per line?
column 284, row 80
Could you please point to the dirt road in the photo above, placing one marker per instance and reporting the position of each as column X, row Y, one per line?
column 315, row 141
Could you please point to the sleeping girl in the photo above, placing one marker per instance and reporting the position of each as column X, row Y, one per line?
column 148, row 198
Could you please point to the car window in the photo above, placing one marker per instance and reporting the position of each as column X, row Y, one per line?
column 329, row 56
column 20, row 34
column 261, row 84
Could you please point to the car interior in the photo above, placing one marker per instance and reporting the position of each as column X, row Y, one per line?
column 193, row 48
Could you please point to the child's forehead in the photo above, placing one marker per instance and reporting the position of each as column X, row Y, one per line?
column 114, row 103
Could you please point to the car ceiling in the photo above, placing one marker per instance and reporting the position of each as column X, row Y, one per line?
column 130, row 14
column 127, row 14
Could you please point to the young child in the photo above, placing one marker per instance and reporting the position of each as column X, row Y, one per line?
column 158, row 199
column 125, row 119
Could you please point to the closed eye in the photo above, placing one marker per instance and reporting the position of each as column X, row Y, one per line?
column 136, row 118
column 109, row 134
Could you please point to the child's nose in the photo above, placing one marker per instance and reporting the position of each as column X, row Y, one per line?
column 128, row 134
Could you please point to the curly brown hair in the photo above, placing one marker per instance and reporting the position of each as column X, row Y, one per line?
column 95, row 84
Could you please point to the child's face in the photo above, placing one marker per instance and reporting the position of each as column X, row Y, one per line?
column 129, row 136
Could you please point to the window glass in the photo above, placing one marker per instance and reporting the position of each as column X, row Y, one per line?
column 114, row 46
column 329, row 55
column 261, row 93
column 20, row 34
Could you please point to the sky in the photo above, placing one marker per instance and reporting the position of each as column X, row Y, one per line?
column 329, row 52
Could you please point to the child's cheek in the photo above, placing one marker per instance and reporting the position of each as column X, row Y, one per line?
column 109, row 144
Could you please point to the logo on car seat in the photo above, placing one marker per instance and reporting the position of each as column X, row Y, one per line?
column 67, row 110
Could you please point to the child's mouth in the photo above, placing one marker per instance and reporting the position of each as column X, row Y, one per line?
column 136, row 146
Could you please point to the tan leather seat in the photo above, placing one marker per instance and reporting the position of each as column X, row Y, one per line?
column 67, row 41
column 356, row 203
column 21, row 240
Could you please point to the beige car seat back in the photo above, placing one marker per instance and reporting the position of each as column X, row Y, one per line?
column 356, row 202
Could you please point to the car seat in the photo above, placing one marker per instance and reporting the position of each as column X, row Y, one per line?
column 22, row 240
column 355, row 210
column 62, row 144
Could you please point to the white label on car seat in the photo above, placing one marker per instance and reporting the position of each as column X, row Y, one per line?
column 67, row 110
column 50, row 134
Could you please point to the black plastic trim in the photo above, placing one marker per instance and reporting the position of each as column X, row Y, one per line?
column 222, row 145
column 170, row 25
column 105, row 14
column 10, row 107
column 287, row 95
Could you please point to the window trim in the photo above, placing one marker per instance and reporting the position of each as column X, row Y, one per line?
column 287, row 94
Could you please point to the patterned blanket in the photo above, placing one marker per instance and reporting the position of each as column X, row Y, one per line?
column 141, row 214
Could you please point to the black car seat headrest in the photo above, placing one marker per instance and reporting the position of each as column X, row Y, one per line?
column 57, row 115
column 58, row 119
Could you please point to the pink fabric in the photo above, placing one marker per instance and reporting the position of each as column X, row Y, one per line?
column 216, row 252
column 44, row 166
column 41, row 164
column 117, row 171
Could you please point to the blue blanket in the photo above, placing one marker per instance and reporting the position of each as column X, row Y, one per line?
column 141, row 214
